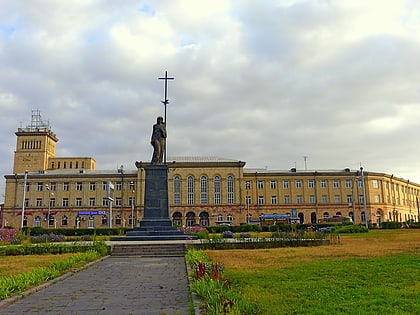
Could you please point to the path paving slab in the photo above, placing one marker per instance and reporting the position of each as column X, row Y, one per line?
column 116, row 285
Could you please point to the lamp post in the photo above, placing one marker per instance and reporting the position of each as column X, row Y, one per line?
column 132, row 204
column 47, row 187
column 364, row 197
column 25, row 178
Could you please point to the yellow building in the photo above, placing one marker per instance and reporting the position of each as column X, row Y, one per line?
column 45, row 190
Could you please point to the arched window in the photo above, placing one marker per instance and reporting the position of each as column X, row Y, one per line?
column 177, row 219
column 77, row 221
column 204, row 219
column 203, row 190
column 326, row 215
column 130, row 220
column 25, row 220
column 217, row 190
column 313, row 217
column 91, row 222
column 64, row 220
column 51, row 220
column 190, row 218
column 338, row 214
column 230, row 190
column 177, row 190
column 190, row 190
column 37, row 221
column 118, row 220
column 220, row 218
column 104, row 220
column 301, row 217
column 229, row 217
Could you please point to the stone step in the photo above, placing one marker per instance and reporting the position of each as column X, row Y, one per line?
column 151, row 250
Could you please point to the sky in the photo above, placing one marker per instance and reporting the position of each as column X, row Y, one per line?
column 265, row 82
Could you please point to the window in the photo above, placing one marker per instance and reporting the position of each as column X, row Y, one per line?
column 64, row 220
column 285, row 184
column 348, row 183
column 273, row 184
column 248, row 200
column 39, row 202
column 66, row 186
column 336, row 183
column 203, row 190
column 312, row 199
column 349, row 199
column 52, row 202
column 53, row 186
column 104, row 202
column 37, row 221
column 273, row 200
column 377, row 198
column 217, row 190
column 230, row 190
column 361, row 199
column 104, row 220
column 118, row 220
column 229, row 217
column 324, row 199
column 190, row 190
column 118, row 186
column 92, row 186
column 65, row 202
column 260, row 200
column 91, row 202
column 299, row 199
column 323, row 183
column 91, row 222
column 219, row 218
column 39, row 186
column 79, row 186
column 311, row 183
column 298, row 183
column 260, row 184
column 337, row 198
column 286, row 199
column 375, row 183
column 133, row 186
column 104, row 186
column 131, row 201
column 177, row 190
column 248, row 185
column 78, row 202
column 130, row 220
column 118, row 201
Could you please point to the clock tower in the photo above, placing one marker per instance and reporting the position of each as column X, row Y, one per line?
column 34, row 146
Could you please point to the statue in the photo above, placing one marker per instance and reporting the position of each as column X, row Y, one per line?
column 158, row 141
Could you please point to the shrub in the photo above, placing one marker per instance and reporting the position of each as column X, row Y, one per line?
column 7, row 236
column 351, row 229
column 228, row 234
column 45, row 238
column 196, row 230
column 390, row 225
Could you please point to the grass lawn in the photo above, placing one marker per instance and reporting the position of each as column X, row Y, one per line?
column 13, row 265
column 371, row 273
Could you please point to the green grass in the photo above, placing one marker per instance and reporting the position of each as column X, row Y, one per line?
column 378, row 285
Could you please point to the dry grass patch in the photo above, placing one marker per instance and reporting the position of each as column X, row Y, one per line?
column 13, row 265
column 372, row 244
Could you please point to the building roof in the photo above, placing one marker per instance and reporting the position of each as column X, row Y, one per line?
column 199, row 159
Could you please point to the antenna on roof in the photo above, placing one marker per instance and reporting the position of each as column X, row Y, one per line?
column 305, row 158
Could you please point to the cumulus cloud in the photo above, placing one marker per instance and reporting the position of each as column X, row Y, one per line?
column 266, row 82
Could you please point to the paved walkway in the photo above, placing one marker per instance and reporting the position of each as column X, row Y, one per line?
column 116, row 285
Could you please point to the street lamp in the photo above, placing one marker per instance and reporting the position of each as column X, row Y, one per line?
column 364, row 197
column 24, row 197
column 47, row 187
column 132, row 204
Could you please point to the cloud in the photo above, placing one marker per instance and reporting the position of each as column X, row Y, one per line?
column 264, row 82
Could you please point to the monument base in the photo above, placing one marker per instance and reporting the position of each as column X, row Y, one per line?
column 156, row 224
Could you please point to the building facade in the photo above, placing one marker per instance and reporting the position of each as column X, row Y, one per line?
column 49, row 191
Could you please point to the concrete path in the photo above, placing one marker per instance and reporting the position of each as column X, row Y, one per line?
column 116, row 285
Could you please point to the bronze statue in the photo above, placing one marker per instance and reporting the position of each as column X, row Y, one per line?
column 158, row 141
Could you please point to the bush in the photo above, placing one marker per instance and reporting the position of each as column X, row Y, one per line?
column 228, row 234
column 390, row 225
column 45, row 238
column 359, row 228
column 196, row 230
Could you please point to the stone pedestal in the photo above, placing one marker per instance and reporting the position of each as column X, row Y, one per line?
column 156, row 224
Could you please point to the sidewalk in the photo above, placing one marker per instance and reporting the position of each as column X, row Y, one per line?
column 116, row 285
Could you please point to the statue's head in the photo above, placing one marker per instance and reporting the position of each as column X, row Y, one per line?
column 160, row 120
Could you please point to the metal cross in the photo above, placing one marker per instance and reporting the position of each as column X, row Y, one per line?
column 165, row 102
